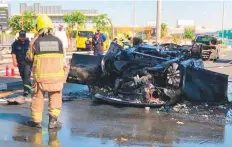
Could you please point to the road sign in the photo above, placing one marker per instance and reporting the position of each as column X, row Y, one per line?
column 3, row 17
column 225, row 34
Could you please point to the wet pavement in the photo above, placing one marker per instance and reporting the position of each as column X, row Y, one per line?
column 88, row 123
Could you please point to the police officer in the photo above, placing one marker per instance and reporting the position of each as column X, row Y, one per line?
column 98, row 44
column 98, row 40
column 47, row 53
column 19, row 49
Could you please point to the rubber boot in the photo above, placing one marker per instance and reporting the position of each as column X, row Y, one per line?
column 33, row 124
column 54, row 123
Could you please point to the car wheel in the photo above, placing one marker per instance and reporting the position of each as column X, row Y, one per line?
column 173, row 79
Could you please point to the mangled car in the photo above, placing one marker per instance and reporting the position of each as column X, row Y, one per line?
column 147, row 75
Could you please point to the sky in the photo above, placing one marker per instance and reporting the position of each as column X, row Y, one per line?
column 207, row 13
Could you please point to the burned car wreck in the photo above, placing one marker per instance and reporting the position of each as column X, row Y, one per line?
column 148, row 75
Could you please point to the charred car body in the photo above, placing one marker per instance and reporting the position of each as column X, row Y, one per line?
column 148, row 76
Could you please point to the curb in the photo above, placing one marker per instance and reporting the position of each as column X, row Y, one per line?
column 10, row 86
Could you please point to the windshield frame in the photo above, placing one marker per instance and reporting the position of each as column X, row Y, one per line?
column 201, row 39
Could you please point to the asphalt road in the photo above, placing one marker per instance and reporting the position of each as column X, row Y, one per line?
column 87, row 124
column 222, row 65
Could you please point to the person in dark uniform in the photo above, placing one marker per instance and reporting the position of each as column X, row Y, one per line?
column 88, row 44
column 19, row 50
column 97, row 42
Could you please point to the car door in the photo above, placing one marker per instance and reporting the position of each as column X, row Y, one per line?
column 202, row 85
column 84, row 69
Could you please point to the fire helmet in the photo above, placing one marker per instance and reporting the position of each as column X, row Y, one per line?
column 43, row 21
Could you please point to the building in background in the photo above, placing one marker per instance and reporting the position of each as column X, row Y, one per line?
column 55, row 12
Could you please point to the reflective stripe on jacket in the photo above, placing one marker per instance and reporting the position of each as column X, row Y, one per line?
column 47, row 55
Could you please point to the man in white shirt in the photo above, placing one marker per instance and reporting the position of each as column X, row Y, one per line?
column 61, row 34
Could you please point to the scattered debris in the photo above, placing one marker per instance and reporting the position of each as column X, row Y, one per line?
column 165, row 109
column 206, row 116
column 121, row 139
column 147, row 108
column 181, row 108
column 222, row 107
column 16, row 101
column 68, row 98
column 180, row 123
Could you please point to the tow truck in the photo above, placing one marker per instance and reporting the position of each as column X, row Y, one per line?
column 209, row 47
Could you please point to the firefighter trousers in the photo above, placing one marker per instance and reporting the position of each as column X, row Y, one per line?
column 25, row 73
column 37, row 104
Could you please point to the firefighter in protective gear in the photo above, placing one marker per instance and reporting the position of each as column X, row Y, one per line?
column 46, row 52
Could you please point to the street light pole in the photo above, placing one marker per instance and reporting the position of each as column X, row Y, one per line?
column 134, row 20
column 158, row 23
column 223, row 13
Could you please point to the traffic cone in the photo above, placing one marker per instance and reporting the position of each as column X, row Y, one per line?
column 12, row 71
column 7, row 71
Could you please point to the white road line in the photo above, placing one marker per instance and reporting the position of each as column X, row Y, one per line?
column 221, row 67
column 230, row 62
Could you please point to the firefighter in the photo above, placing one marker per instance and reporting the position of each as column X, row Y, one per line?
column 46, row 52
column 19, row 49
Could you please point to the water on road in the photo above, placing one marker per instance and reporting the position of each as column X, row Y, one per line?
column 87, row 124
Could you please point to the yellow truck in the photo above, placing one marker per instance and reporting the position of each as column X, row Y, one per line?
column 83, row 35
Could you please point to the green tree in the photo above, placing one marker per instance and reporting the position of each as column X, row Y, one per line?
column 15, row 22
column 72, row 19
column 101, row 22
column 164, row 30
column 189, row 34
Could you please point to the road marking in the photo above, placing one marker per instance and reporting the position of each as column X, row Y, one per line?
column 230, row 62
column 223, row 55
column 221, row 67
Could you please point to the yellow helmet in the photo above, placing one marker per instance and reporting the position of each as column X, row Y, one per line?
column 43, row 21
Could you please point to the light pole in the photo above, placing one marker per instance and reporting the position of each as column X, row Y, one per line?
column 134, row 20
column 223, row 13
column 158, row 23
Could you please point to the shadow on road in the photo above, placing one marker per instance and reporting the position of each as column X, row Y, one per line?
column 14, row 117
column 223, row 61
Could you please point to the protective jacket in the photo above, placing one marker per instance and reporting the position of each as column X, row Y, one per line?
column 47, row 55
